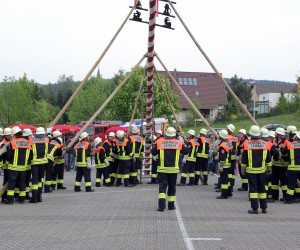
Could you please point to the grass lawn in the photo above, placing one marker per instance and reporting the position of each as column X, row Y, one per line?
column 246, row 123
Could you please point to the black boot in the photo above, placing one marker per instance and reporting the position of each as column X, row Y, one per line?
column 171, row 205
column 98, row 184
column 60, row 186
column 89, row 189
column 252, row 211
column 197, row 177
column 39, row 198
column 28, row 197
column 34, row 198
column 22, row 200
column 77, row 189
column 161, row 205
column 53, row 187
column 48, row 189
column 9, row 200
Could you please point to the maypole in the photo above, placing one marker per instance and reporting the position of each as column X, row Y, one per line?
column 150, row 89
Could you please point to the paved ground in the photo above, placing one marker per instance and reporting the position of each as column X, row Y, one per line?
column 126, row 218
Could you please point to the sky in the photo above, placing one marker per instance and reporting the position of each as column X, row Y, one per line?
column 257, row 39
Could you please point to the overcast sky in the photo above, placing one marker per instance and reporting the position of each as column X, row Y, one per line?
column 256, row 39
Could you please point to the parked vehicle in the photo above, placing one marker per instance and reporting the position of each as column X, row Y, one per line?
column 273, row 127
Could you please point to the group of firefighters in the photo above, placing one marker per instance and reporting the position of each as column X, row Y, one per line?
column 266, row 161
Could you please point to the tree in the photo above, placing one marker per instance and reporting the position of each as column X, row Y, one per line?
column 122, row 104
column 282, row 105
column 44, row 112
column 241, row 89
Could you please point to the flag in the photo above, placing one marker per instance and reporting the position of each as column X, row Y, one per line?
column 253, row 93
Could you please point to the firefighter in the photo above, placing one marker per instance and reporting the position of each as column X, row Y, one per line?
column 189, row 166
column 234, row 141
column 6, row 139
column 38, row 163
column 102, row 163
column 52, row 148
column 202, row 158
column 83, row 151
column 59, row 162
column 242, row 138
column 124, row 152
column 152, row 140
column 279, row 165
column 109, row 146
column 18, row 156
column 291, row 133
column 137, row 149
column 168, row 150
column 256, row 159
column 28, row 135
column 293, row 170
column 224, row 158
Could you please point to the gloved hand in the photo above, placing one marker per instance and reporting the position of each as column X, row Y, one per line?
column 106, row 162
column 89, row 164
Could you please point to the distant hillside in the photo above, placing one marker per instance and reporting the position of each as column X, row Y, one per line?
column 252, row 81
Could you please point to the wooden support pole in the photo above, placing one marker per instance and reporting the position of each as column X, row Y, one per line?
column 136, row 103
column 83, row 82
column 169, row 101
column 106, row 102
column 243, row 107
column 187, row 98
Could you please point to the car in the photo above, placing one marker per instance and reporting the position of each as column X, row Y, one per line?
column 209, row 132
column 273, row 127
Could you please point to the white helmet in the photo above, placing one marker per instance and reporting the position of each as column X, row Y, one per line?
column 280, row 131
column 203, row 131
column 264, row 133
column 254, row 131
column 56, row 133
column 223, row 134
column 243, row 131
column 1, row 131
column 298, row 135
column 83, row 135
column 272, row 134
column 27, row 132
column 191, row 132
column 40, row 131
column 152, row 137
column 7, row 131
column 60, row 140
column 171, row 132
column 15, row 130
column 112, row 134
column 120, row 134
column 291, row 129
column 97, row 140
column 135, row 130
column 159, row 132
column 231, row 128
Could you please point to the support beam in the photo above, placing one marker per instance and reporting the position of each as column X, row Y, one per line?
column 243, row 107
column 106, row 102
column 83, row 82
column 187, row 98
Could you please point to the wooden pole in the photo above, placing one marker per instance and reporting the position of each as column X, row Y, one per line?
column 106, row 102
column 169, row 101
column 136, row 103
column 243, row 107
column 187, row 98
column 83, row 82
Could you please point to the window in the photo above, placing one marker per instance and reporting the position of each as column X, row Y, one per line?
column 185, row 81
column 180, row 81
column 197, row 93
column 190, row 80
column 195, row 81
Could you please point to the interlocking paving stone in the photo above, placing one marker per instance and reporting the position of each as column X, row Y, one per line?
column 126, row 218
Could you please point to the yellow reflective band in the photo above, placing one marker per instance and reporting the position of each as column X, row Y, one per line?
column 107, row 180
column 171, row 198
column 60, row 181
column 290, row 192
column 154, row 175
column 162, row 196
column 35, row 187
column 275, row 187
column 98, row 179
column 197, row 172
column 262, row 195
column 284, row 188
column 297, row 190
column 191, row 175
column 48, row 183
column 22, row 194
column 230, row 176
column 253, row 195
column 40, row 184
column 266, row 187
column 119, row 176
column 77, row 184
column 224, row 186
column 125, row 176
column 245, row 181
column 205, row 172
column 88, row 184
column 133, row 174
column 183, row 175
column 10, row 192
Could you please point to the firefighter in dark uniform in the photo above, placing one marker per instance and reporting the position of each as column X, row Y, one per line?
column 124, row 152
column 189, row 166
column 242, row 138
column 168, row 150
column 291, row 133
column 18, row 156
column 52, row 148
column 59, row 161
column 234, row 142
column 6, row 139
column 293, row 170
column 109, row 146
column 102, row 163
column 137, row 149
column 256, row 160
column 224, row 156
column 279, row 165
column 38, row 163
column 202, row 158
column 154, row 139
column 83, row 151
column 28, row 135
